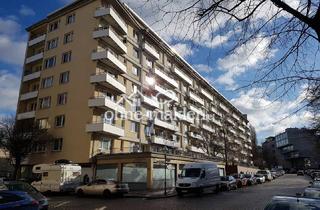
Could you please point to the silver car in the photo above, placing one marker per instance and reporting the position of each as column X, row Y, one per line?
column 102, row 187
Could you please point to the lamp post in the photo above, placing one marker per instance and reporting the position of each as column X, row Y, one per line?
column 165, row 170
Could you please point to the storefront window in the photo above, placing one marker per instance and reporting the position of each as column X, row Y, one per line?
column 107, row 172
column 135, row 174
column 159, row 176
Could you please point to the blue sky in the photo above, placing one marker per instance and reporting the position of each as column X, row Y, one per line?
column 207, row 53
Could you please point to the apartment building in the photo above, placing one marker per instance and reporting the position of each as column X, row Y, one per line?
column 100, row 81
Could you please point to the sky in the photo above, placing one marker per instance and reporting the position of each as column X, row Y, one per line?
column 207, row 52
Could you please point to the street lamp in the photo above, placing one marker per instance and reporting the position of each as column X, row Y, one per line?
column 165, row 170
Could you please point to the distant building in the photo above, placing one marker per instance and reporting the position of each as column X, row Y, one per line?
column 269, row 152
column 300, row 148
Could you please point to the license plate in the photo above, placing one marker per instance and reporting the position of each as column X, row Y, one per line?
column 184, row 191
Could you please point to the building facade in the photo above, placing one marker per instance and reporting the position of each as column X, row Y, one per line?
column 300, row 148
column 119, row 101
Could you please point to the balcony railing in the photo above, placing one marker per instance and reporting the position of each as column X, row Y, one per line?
column 105, row 128
column 106, row 103
column 34, row 58
column 150, row 101
column 165, row 124
column 206, row 94
column 31, row 76
column 112, row 60
column 37, row 40
column 223, row 107
column 107, row 34
column 208, row 128
column 29, row 95
column 183, row 117
column 196, row 98
column 168, row 93
column 196, row 110
column 166, row 78
column 162, row 141
column 196, row 149
column 150, row 50
column 108, row 81
column 26, row 115
column 196, row 136
column 112, row 17
column 183, row 76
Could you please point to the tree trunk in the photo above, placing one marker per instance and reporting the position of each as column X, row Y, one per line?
column 17, row 167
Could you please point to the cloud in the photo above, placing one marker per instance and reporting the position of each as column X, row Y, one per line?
column 202, row 68
column 269, row 117
column 9, row 89
column 26, row 11
column 245, row 57
column 66, row 1
column 9, row 26
column 183, row 50
column 11, row 51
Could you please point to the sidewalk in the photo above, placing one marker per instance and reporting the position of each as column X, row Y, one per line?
column 151, row 194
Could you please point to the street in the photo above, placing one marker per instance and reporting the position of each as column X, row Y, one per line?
column 248, row 198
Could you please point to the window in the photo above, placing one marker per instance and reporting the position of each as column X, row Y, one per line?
column 50, row 62
column 105, row 145
column 59, row 121
column 64, row 77
column 45, row 102
column 54, row 26
column 68, row 38
column 134, row 127
column 149, row 63
column 136, row 53
column 135, row 104
column 134, row 88
column 53, row 43
column 39, row 147
column 47, row 82
column 135, row 70
column 62, row 99
column 43, row 123
column 71, row 19
column 66, row 57
column 135, row 35
column 57, row 145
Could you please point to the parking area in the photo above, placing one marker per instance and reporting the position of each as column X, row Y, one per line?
column 248, row 198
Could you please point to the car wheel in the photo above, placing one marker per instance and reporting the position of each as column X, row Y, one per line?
column 179, row 193
column 80, row 193
column 239, row 184
column 106, row 193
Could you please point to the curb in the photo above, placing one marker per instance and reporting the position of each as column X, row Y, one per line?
column 151, row 197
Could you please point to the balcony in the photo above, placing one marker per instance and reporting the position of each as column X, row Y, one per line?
column 150, row 101
column 235, row 116
column 110, row 37
column 108, row 81
column 37, row 40
column 150, row 50
column 34, row 58
column 196, row 98
column 208, row 128
column 111, row 16
column 106, row 104
column 244, row 152
column 242, row 136
column 183, row 117
column 105, row 128
column 242, row 129
column 230, row 121
column 232, row 131
column 214, row 110
column 237, row 142
column 170, row 94
column 206, row 94
column 166, row 78
column 165, row 125
column 196, row 149
column 163, row 141
column 196, row 136
column 196, row 110
column 217, row 122
column 183, row 76
column 29, row 95
column 110, row 59
column 31, row 76
column 26, row 115
column 224, row 108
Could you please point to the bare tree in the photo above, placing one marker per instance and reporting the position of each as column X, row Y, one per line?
column 291, row 27
column 18, row 138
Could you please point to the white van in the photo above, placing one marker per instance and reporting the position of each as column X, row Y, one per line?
column 196, row 177
column 57, row 177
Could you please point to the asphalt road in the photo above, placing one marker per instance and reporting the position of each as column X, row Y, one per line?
column 249, row 198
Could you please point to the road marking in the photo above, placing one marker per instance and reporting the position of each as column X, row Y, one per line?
column 61, row 204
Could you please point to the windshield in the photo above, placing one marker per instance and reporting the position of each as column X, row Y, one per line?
column 224, row 178
column 21, row 187
column 191, row 172
column 316, row 184
column 262, row 172
column 247, row 176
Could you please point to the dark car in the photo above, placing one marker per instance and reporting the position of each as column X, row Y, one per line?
column 293, row 203
column 300, row 173
column 312, row 193
column 228, row 183
column 33, row 192
column 251, row 179
column 315, row 184
column 241, row 180
column 17, row 200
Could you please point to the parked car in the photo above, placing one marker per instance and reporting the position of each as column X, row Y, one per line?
column 17, row 200
column 241, row 180
column 293, row 203
column 228, row 183
column 195, row 177
column 315, row 184
column 274, row 174
column 266, row 174
column 300, row 173
column 102, row 187
column 251, row 179
column 312, row 193
column 260, row 178
column 33, row 192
